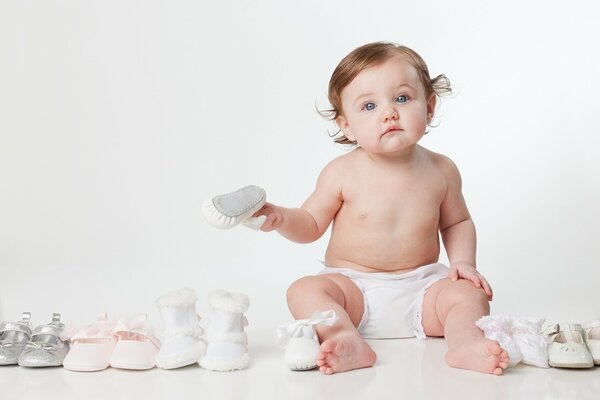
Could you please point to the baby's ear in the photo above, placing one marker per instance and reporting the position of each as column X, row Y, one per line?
column 431, row 107
column 342, row 123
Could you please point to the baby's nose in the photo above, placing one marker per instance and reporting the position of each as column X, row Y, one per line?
column 390, row 113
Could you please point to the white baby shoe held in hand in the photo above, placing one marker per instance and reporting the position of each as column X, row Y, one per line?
column 227, row 348
column 228, row 210
column 300, row 341
column 182, row 343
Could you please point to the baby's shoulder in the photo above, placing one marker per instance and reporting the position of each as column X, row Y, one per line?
column 344, row 163
column 443, row 163
column 341, row 168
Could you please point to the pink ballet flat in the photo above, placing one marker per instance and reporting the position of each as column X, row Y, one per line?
column 136, row 346
column 91, row 347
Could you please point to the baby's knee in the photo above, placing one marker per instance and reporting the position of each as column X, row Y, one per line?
column 308, row 285
column 465, row 292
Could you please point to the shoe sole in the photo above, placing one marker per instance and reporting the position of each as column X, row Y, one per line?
column 578, row 365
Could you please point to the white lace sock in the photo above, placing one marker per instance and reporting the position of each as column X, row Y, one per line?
column 520, row 337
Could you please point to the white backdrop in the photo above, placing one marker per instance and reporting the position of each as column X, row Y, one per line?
column 117, row 118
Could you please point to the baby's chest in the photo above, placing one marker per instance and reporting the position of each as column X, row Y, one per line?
column 380, row 199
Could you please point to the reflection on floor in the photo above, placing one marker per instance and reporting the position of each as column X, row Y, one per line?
column 406, row 369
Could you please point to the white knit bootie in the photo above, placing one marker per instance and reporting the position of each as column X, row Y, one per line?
column 227, row 348
column 182, row 344
column 300, row 340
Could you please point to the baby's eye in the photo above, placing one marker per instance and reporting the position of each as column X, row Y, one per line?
column 402, row 99
column 369, row 106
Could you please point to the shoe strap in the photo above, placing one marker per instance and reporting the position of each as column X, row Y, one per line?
column 305, row 327
column 138, row 325
column 26, row 318
column 591, row 324
column 101, row 329
column 569, row 332
column 572, row 331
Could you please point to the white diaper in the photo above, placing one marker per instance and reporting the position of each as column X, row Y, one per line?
column 393, row 302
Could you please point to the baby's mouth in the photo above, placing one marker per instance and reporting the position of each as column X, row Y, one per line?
column 391, row 129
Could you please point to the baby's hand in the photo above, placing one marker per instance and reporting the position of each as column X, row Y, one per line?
column 468, row 272
column 273, row 214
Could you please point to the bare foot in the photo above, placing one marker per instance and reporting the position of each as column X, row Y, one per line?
column 343, row 353
column 480, row 355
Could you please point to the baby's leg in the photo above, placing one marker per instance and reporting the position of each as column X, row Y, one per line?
column 342, row 347
column 450, row 309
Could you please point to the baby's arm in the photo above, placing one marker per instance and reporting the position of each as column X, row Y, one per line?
column 307, row 223
column 458, row 230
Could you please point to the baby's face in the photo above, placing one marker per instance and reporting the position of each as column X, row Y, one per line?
column 384, row 109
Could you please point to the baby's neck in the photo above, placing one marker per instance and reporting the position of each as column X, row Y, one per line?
column 404, row 157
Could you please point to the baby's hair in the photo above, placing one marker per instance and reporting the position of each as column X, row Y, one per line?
column 370, row 55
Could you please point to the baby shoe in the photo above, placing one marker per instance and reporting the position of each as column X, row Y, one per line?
column 92, row 346
column 568, row 349
column 228, row 210
column 227, row 348
column 591, row 336
column 13, row 337
column 136, row 347
column 47, row 347
column 182, row 342
column 300, row 341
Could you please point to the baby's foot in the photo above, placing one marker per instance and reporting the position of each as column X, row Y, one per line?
column 480, row 355
column 345, row 352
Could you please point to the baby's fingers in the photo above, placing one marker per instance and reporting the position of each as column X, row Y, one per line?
column 453, row 274
column 480, row 282
column 475, row 278
column 487, row 288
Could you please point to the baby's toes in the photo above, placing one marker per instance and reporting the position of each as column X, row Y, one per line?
column 321, row 356
column 495, row 349
column 327, row 347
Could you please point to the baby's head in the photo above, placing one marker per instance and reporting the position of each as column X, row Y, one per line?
column 371, row 55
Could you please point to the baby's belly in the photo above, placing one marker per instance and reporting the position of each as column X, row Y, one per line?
column 383, row 251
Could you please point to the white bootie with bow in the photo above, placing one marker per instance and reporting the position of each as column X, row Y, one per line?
column 227, row 348
column 300, row 341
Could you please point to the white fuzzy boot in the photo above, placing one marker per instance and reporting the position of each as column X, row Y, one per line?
column 227, row 342
column 182, row 344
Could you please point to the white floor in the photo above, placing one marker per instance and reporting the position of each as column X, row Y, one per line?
column 406, row 369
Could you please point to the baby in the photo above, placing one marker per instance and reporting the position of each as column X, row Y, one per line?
column 388, row 198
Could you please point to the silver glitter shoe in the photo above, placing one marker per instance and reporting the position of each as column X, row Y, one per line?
column 13, row 337
column 46, row 348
